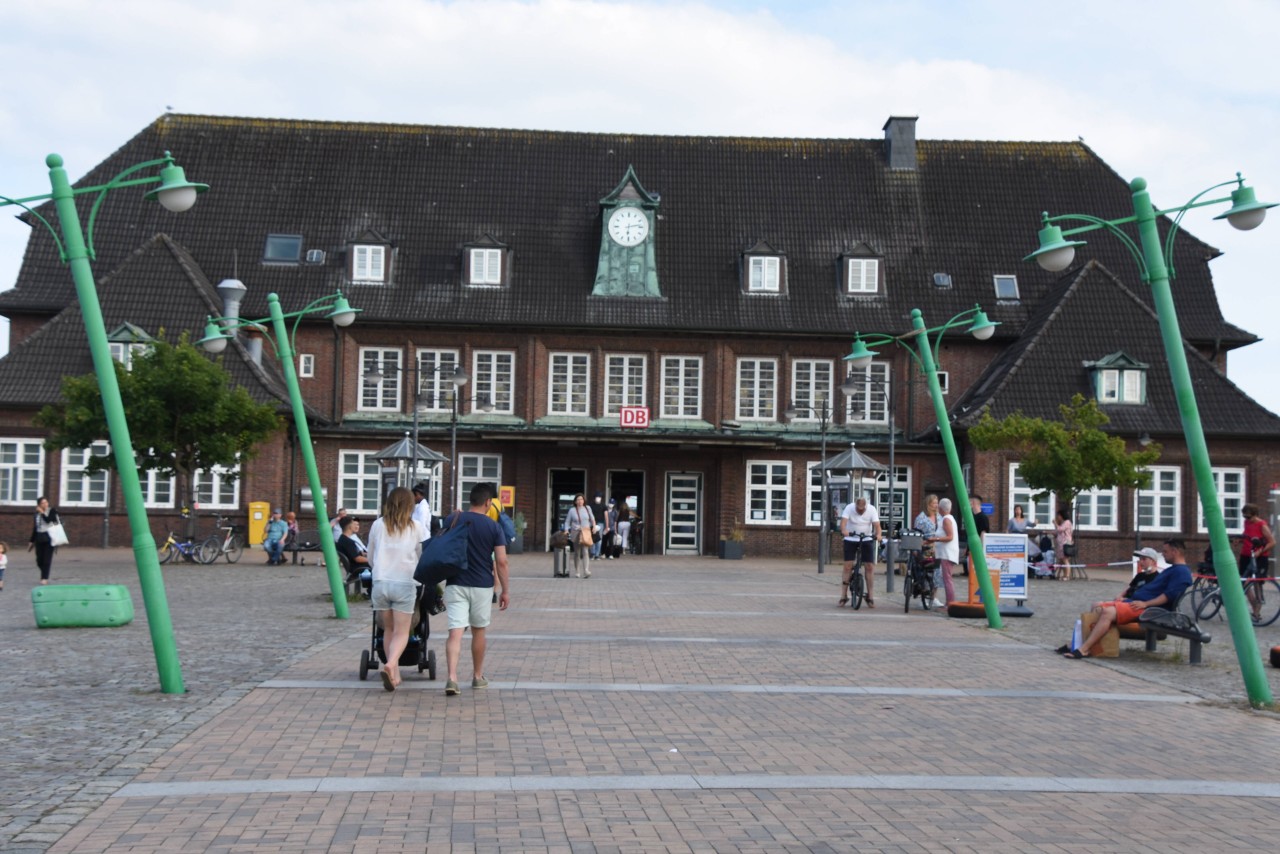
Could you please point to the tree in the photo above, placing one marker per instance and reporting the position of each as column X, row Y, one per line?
column 1070, row 456
column 183, row 414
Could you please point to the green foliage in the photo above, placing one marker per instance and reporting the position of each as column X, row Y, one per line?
column 1069, row 456
column 183, row 414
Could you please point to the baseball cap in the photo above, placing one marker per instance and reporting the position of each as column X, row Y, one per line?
column 275, row 512
column 1153, row 554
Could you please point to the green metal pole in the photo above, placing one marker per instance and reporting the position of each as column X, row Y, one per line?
column 1233, row 599
column 989, row 603
column 144, row 544
column 284, row 347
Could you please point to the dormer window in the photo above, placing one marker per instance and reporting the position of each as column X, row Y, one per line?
column 1119, row 379
column 369, row 258
column 1006, row 287
column 127, row 341
column 764, row 270
column 485, row 264
column 860, row 272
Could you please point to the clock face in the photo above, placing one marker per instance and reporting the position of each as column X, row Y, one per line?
column 628, row 226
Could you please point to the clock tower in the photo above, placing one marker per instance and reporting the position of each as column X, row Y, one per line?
column 627, row 266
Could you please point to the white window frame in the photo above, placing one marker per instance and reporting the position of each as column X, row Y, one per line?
column 368, row 263
column 569, row 384
column 813, row 386
column 1117, row 386
column 485, row 267
column 764, row 274
column 1164, row 500
column 306, row 365
column 772, row 492
column 813, row 493
column 224, row 492
column 123, row 352
column 158, row 490
column 944, row 381
column 76, row 486
column 359, row 482
column 435, row 388
column 1042, row 511
column 473, row 469
column 1008, row 281
column 901, row 500
column 380, row 395
column 21, row 470
column 626, row 377
column 681, row 387
column 493, row 373
column 757, row 390
column 1232, row 485
column 1095, row 510
column 862, row 276
column 870, row 404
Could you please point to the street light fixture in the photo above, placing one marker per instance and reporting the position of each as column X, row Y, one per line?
column 217, row 332
column 824, row 418
column 851, row 386
column 1155, row 263
column 75, row 246
column 980, row 328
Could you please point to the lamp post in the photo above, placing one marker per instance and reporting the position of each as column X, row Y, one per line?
column 216, row 335
column 824, row 418
column 980, row 328
column 1155, row 264
column 75, row 247
column 850, row 387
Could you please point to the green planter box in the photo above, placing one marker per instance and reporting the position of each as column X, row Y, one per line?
column 60, row 606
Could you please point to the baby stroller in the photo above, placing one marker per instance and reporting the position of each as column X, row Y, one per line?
column 415, row 652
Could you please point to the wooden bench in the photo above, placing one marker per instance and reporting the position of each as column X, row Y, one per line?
column 1162, row 623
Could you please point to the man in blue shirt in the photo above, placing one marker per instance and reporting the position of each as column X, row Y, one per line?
column 1163, row 591
column 468, row 598
column 277, row 530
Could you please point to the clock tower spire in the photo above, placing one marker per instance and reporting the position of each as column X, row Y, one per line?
column 628, row 265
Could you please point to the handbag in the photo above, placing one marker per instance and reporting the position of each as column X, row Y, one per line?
column 57, row 534
column 445, row 556
column 1068, row 549
column 585, row 538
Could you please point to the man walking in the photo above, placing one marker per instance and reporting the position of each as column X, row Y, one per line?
column 421, row 509
column 468, row 598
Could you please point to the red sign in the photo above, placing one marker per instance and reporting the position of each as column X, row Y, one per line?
column 634, row 417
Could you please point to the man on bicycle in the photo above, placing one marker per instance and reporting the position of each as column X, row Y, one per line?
column 860, row 527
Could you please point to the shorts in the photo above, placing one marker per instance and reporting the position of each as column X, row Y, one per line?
column 394, row 596
column 1125, row 612
column 468, row 606
column 863, row 552
column 1262, row 565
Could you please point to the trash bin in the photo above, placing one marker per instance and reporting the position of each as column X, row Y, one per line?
column 259, row 511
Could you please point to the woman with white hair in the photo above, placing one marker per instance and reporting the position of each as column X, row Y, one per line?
column 946, row 545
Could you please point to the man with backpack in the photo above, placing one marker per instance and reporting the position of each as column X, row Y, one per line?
column 468, row 596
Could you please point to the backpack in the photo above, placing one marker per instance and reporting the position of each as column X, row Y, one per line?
column 508, row 527
column 444, row 556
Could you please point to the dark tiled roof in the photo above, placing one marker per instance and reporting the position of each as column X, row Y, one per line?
column 157, row 287
column 1094, row 315
column 971, row 210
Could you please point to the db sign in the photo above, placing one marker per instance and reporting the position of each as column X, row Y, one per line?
column 635, row 417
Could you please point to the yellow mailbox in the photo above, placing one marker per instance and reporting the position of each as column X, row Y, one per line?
column 259, row 513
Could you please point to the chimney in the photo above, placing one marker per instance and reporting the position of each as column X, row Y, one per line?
column 232, row 291
column 900, row 142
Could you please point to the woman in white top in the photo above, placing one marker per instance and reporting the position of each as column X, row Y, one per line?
column 578, row 518
column 947, row 547
column 395, row 543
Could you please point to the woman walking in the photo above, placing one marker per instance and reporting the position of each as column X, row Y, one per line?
column 1063, row 536
column 45, row 517
column 395, row 543
column 578, row 519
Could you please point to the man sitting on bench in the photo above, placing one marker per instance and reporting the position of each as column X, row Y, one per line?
column 350, row 545
column 1163, row 591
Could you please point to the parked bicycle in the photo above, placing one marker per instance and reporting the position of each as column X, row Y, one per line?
column 188, row 549
column 918, row 581
column 1262, row 594
column 228, row 544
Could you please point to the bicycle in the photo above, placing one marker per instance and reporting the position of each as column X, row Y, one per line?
column 857, row 581
column 918, row 580
column 1262, row 594
column 188, row 549
column 229, row 544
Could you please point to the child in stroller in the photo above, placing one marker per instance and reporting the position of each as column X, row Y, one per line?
column 429, row 601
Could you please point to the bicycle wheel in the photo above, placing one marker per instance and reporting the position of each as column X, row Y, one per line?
column 856, row 592
column 909, row 582
column 1266, row 597
column 207, row 552
column 1198, row 593
column 235, row 549
column 167, row 552
column 1209, row 606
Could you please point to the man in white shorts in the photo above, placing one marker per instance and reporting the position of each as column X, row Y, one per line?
column 468, row 598
column 860, row 518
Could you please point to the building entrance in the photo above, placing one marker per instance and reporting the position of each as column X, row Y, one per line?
column 684, row 510
column 562, row 485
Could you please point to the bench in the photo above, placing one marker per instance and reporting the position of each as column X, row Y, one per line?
column 1156, row 624
column 306, row 541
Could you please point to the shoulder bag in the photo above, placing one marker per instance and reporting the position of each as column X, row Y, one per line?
column 444, row 556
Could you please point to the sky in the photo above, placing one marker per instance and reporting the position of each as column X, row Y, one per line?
column 1181, row 92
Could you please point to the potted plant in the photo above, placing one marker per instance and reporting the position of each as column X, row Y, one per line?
column 731, row 545
column 516, row 546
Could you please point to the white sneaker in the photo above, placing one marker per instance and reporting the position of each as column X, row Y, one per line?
column 938, row 604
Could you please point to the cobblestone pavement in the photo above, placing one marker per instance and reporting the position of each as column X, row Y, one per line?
column 665, row 704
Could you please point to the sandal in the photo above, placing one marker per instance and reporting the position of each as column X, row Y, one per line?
column 1076, row 654
column 844, row 600
column 1064, row 649
column 871, row 603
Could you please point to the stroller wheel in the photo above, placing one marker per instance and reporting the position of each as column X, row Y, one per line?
column 431, row 665
column 364, row 664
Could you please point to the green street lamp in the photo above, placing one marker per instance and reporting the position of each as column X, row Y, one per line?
column 75, row 247
column 927, row 358
column 216, row 334
column 1155, row 263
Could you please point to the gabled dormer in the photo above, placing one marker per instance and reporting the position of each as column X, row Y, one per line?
column 486, row 263
column 861, row 272
column 1119, row 379
column 628, row 264
column 763, row 270
column 126, row 341
column 369, row 259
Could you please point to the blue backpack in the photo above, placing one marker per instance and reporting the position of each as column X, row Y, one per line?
column 445, row 555
column 508, row 527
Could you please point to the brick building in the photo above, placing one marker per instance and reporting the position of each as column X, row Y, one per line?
column 715, row 282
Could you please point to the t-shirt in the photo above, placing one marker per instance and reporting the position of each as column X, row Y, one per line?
column 422, row 515
column 860, row 523
column 351, row 547
column 981, row 522
column 395, row 556
column 1172, row 582
column 483, row 537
